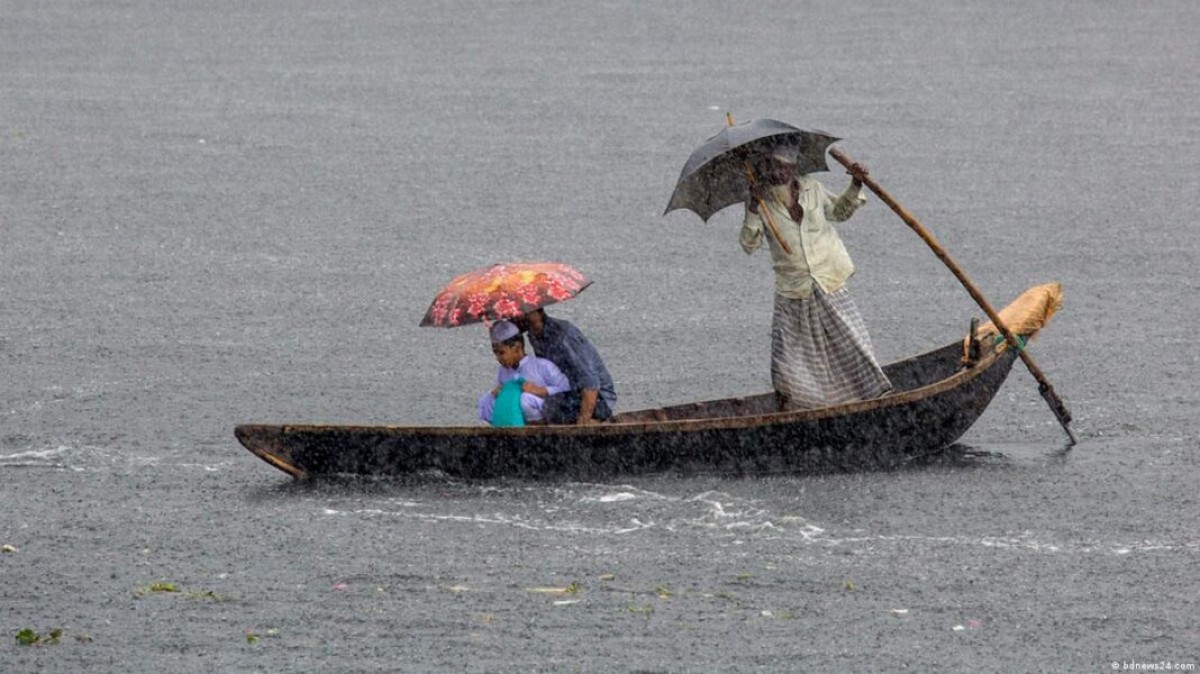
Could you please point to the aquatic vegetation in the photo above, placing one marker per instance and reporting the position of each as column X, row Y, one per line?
column 28, row 637
column 573, row 589
column 172, row 588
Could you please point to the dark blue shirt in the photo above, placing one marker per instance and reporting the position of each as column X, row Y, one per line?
column 563, row 343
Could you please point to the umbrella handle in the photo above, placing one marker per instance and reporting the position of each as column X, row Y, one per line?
column 1057, row 406
column 762, row 206
column 766, row 215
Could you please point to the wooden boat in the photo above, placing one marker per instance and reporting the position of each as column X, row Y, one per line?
column 937, row 396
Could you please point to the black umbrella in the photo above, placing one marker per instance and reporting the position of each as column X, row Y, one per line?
column 715, row 175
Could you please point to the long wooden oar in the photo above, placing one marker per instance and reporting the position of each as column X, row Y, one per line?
column 1057, row 406
column 762, row 207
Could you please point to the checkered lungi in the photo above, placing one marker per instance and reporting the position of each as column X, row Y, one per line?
column 821, row 352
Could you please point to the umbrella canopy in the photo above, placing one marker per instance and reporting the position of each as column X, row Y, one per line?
column 715, row 177
column 503, row 291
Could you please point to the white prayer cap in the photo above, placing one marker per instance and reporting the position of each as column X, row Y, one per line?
column 502, row 331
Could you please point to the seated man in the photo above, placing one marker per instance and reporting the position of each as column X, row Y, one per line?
column 541, row 378
column 592, row 396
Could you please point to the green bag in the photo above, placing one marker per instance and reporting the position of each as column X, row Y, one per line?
column 507, row 411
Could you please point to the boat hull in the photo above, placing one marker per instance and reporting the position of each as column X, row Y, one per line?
column 936, row 402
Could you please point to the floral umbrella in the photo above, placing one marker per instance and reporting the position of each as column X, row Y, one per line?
column 503, row 291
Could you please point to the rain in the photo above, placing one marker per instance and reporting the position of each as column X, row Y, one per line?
column 218, row 215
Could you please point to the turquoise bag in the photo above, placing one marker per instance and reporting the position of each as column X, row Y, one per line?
column 507, row 411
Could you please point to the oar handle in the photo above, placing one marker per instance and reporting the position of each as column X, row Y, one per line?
column 1057, row 406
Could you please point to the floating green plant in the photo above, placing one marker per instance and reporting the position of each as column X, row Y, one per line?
column 172, row 588
column 27, row 637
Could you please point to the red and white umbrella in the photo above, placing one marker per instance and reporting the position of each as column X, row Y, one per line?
column 503, row 291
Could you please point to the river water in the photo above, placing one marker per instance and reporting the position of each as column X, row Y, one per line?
column 219, row 213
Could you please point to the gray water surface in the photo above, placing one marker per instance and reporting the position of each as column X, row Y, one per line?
column 219, row 213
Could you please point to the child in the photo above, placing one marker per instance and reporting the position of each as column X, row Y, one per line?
column 541, row 378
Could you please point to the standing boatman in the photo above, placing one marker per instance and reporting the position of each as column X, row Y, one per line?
column 821, row 352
